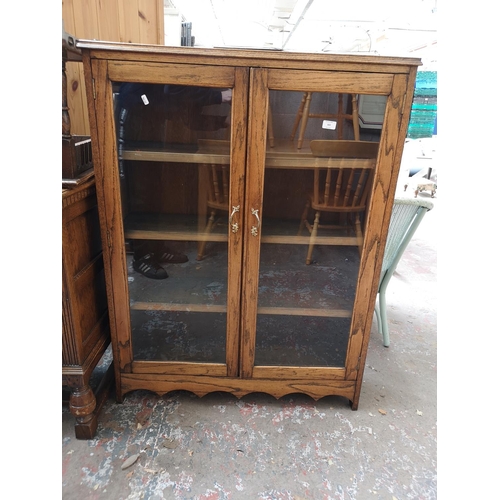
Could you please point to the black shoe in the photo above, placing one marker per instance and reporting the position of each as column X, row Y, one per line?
column 167, row 257
column 149, row 267
column 164, row 254
column 160, row 252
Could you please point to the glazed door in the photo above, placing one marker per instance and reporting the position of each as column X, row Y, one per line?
column 174, row 187
column 312, row 241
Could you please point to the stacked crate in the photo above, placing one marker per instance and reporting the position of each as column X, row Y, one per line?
column 424, row 107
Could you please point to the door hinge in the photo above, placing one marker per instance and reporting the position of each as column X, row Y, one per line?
column 93, row 88
column 108, row 235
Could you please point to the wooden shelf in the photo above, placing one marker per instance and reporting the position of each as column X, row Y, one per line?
column 154, row 226
column 176, row 153
column 162, row 306
column 207, row 308
column 283, row 155
column 147, row 226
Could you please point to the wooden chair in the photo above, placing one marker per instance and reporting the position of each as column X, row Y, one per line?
column 216, row 185
column 303, row 115
column 217, row 201
column 406, row 216
column 342, row 189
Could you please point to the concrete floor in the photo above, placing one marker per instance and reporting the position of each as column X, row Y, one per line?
column 219, row 447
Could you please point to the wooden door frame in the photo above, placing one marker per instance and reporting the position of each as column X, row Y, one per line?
column 399, row 92
column 100, row 74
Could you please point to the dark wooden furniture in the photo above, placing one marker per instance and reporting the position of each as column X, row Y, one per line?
column 251, row 316
column 85, row 322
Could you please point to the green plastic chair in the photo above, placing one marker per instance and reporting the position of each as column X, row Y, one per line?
column 407, row 213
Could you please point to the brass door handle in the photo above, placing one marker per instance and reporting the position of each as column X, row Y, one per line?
column 234, row 225
column 255, row 229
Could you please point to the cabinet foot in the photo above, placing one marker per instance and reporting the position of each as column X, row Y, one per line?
column 82, row 404
column 86, row 406
column 86, row 430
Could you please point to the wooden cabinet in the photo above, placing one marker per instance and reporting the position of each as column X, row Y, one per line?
column 85, row 324
column 193, row 157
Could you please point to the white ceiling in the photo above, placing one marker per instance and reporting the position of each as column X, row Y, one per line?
column 386, row 27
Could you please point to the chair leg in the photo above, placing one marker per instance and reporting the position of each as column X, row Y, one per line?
column 359, row 234
column 355, row 116
column 203, row 243
column 298, row 117
column 305, row 117
column 377, row 315
column 270, row 128
column 383, row 318
column 313, row 238
column 303, row 219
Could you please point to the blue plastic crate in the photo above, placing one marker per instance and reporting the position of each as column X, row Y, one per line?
column 423, row 116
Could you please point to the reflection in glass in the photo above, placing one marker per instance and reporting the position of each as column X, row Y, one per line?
column 175, row 238
column 317, row 185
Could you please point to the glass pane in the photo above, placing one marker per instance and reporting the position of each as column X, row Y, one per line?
column 318, row 179
column 174, row 180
